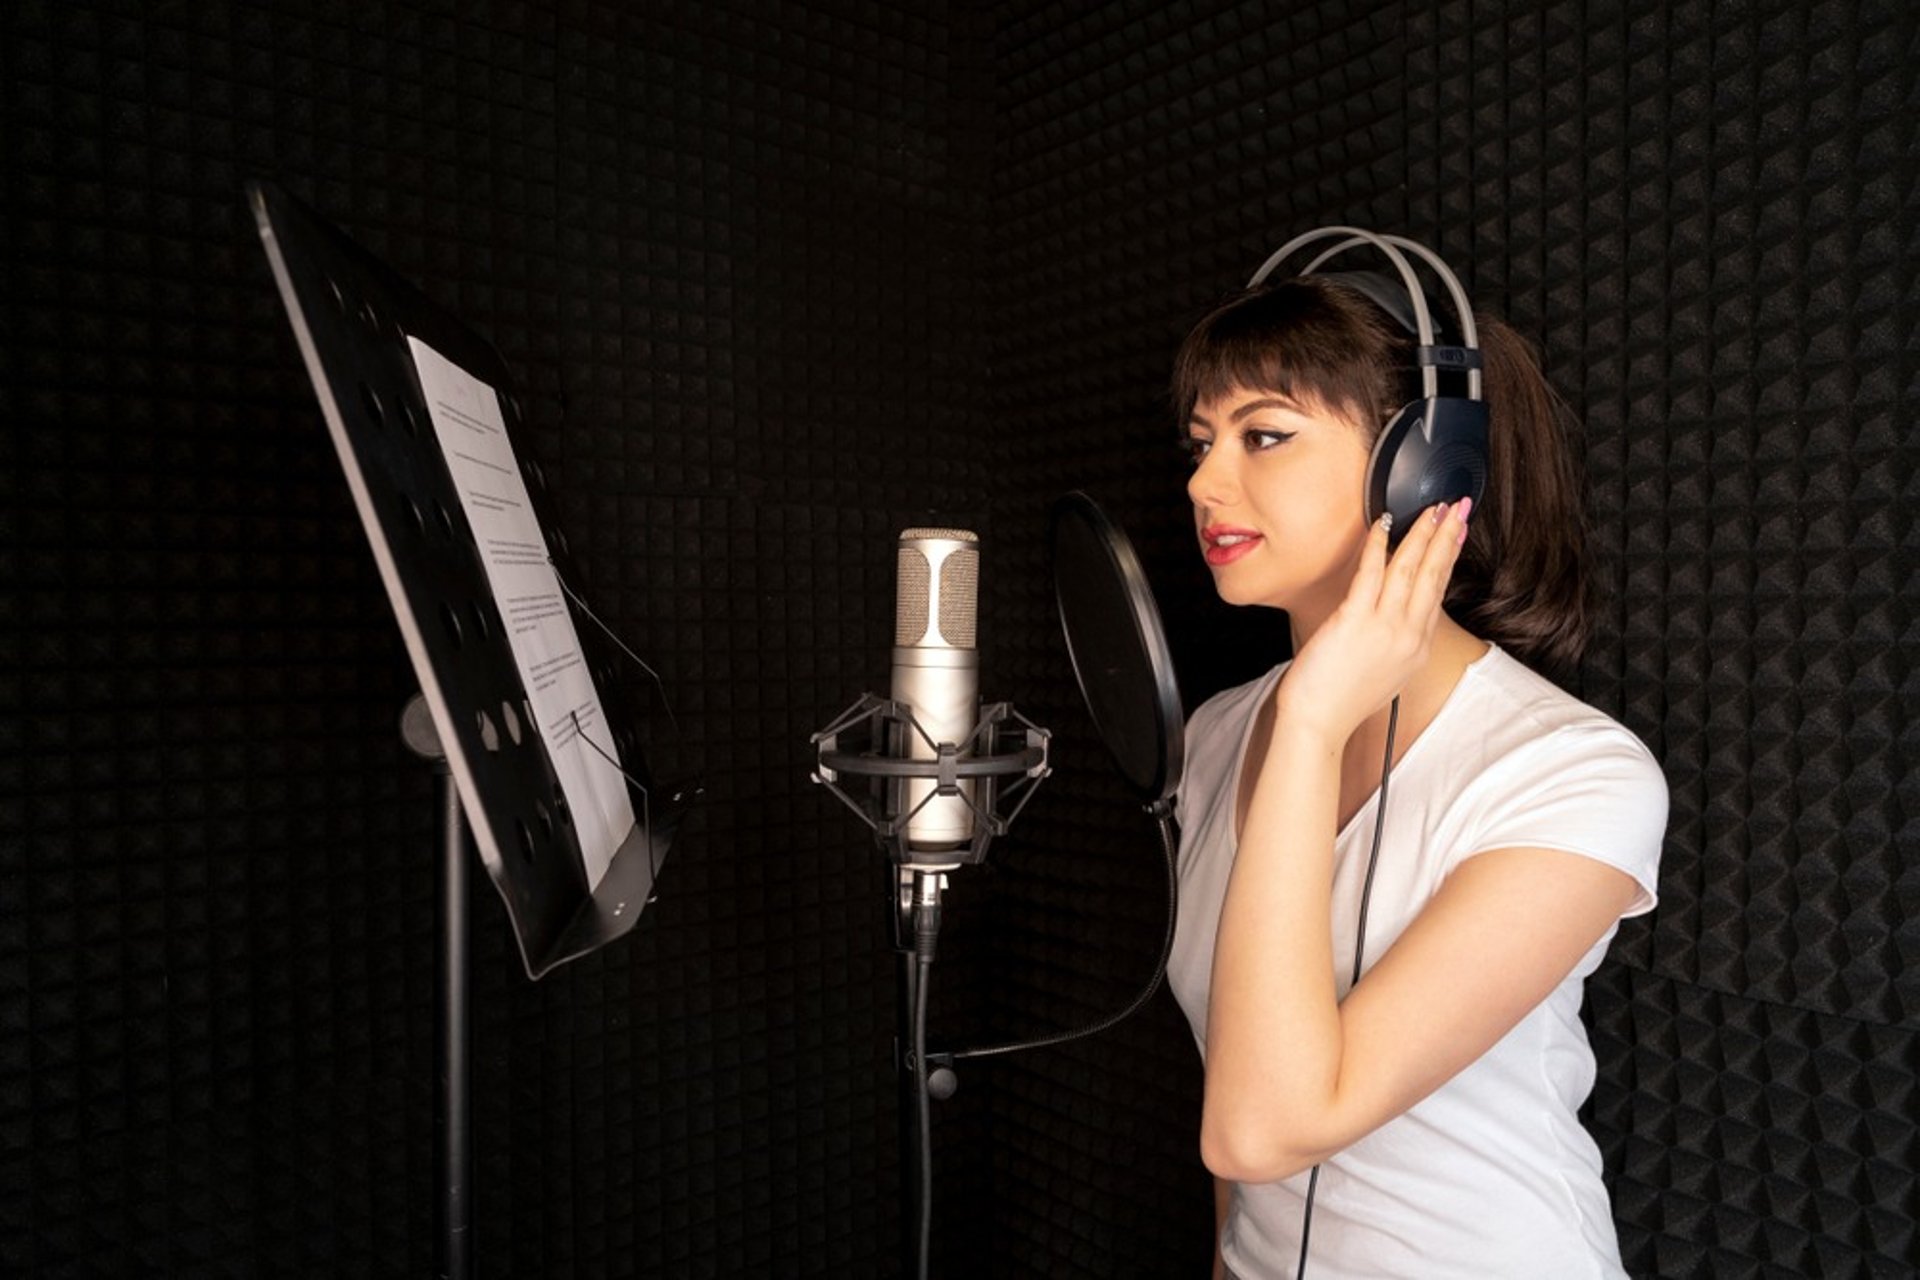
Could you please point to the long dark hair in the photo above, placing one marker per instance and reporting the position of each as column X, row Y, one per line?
column 1522, row 581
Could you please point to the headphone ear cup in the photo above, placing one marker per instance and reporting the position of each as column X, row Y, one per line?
column 1389, row 453
column 1433, row 451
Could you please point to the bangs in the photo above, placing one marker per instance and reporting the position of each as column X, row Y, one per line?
column 1314, row 343
column 1210, row 366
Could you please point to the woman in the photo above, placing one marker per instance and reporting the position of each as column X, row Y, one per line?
column 1437, row 1094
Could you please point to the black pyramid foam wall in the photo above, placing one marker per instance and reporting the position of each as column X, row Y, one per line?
column 755, row 263
column 1703, row 215
column 727, row 248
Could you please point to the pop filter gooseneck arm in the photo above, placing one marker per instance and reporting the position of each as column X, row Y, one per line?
column 1125, row 672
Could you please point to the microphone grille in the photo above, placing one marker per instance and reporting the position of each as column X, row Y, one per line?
column 939, row 535
column 937, row 577
column 960, row 598
column 914, row 579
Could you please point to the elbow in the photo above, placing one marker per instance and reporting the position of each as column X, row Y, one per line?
column 1243, row 1152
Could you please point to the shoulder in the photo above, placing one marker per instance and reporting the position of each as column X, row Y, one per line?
column 1229, row 708
column 1526, row 716
column 1546, row 770
column 1213, row 737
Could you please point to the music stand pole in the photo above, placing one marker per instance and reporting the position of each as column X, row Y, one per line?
column 456, row 1037
column 453, row 1050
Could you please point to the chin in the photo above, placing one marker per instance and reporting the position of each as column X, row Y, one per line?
column 1242, row 594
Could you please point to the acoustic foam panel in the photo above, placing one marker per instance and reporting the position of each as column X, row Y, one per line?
column 724, row 248
column 1704, row 218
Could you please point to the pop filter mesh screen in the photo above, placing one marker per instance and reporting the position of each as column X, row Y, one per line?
column 1111, row 658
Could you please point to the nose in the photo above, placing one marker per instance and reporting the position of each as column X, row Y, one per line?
column 1212, row 483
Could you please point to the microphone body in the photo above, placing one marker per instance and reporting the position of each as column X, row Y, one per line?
column 936, row 673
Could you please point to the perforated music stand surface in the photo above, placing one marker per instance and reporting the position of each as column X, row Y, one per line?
column 352, row 316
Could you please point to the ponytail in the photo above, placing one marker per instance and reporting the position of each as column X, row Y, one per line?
column 1522, row 580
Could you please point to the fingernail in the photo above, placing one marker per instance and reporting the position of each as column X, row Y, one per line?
column 1466, row 510
column 1386, row 522
column 1440, row 513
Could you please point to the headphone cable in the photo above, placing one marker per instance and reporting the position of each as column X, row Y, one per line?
column 1359, row 947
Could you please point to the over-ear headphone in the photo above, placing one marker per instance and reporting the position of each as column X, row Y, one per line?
column 1435, row 448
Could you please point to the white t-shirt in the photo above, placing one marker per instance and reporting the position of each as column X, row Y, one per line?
column 1491, row 1175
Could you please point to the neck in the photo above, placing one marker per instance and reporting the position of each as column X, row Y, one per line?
column 1453, row 649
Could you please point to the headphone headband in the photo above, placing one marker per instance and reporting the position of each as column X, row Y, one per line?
column 1390, row 246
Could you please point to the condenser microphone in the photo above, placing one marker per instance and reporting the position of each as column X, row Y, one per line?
column 936, row 672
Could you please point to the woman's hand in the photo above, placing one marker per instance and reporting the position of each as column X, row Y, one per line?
column 1382, row 632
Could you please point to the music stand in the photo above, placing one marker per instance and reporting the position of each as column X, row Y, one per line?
column 356, row 322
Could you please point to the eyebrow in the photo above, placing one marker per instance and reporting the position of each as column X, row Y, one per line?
column 1251, row 406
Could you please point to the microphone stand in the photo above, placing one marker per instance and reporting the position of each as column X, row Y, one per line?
column 921, row 875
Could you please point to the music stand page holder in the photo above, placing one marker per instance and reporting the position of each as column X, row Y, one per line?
column 540, row 756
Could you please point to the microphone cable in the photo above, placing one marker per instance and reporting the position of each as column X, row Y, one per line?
column 926, row 932
column 926, row 915
column 926, row 928
column 1359, row 948
column 924, row 1104
column 1161, row 812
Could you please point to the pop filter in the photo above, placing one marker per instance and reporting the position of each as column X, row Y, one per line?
column 1125, row 670
column 1119, row 651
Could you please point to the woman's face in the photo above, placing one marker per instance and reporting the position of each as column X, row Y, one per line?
column 1276, row 492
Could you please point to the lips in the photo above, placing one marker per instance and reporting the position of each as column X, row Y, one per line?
column 1227, row 543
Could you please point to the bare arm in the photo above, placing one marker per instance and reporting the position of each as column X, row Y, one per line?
column 1294, row 1077
column 1293, row 1074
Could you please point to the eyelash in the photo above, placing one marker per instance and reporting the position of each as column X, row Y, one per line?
column 1196, row 449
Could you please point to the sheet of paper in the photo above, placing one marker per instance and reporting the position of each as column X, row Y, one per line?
column 472, row 431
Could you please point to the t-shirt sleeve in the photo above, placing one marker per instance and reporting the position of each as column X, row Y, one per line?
column 1590, row 789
